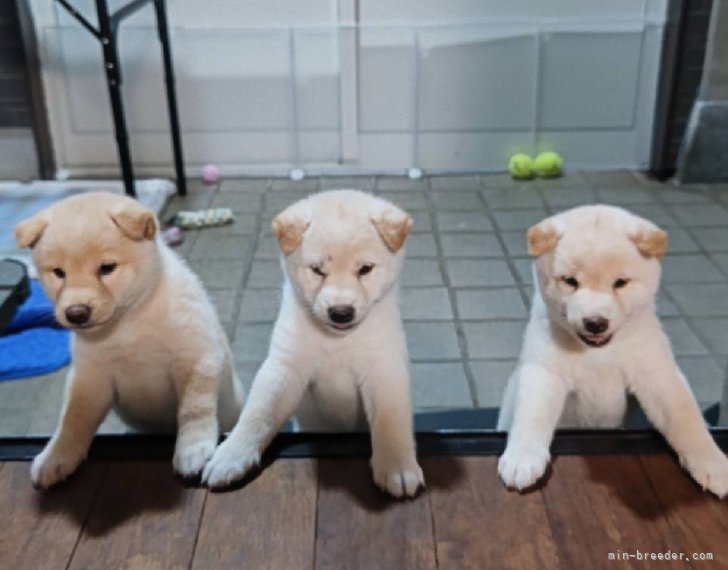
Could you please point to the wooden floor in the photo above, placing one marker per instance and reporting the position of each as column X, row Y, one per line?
column 327, row 514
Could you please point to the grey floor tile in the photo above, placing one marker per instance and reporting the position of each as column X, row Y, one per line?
column 412, row 200
column 471, row 245
column 715, row 333
column 563, row 198
column 524, row 267
column 609, row 178
column 516, row 243
column 267, row 248
column 682, row 338
column 706, row 215
column 513, row 198
column 466, row 200
column 426, row 304
column 251, row 342
column 476, row 304
column 300, row 186
column 701, row 300
column 690, row 269
column 452, row 183
column 421, row 222
column 685, row 195
column 224, row 302
column 721, row 260
column 276, row 202
column 681, row 242
column 399, row 184
column 479, row 273
column 260, row 305
column 463, row 222
column 519, row 219
column 665, row 307
column 503, row 180
column 22, row 393
column 244, row 185
column 421, row 273
column 625, row 196
column 243, row 224
column 439, row 385
column 218, row 273
column 421, row 245
column 704, row 375
column 265, row 273
column 491, row 378
column 215, row 246
column 712, row 239
column 432, row 341
column 497, row 339
column 364, row 183
column 240, row 203
column 566, row 180
column 655, row 213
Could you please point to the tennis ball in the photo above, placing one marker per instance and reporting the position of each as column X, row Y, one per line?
column 521, row 166
column 548, row 164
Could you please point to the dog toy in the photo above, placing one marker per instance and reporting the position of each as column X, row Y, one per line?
column 203, row 218
column 210, row 174
column 548, row 164
column 521, row 166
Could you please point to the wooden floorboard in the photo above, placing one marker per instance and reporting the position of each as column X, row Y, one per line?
column 480, row 525
column 143, row 517
column 359, row 527
column 40, row 528
column 268, row 524
column 699, row 520
column 602, row 504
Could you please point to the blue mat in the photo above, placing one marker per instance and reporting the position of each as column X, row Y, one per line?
column 33, row 343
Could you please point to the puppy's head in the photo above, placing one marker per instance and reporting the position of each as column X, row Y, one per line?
column 596, row 266
column 342, row 253
column 96, row 255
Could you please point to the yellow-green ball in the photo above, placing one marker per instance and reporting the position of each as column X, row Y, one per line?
column 521, row 166
column 548, row 164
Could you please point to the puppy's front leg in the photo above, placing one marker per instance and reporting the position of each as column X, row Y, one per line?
column 276, row 392
column 87, row 400
column 540, row 398
column 665, row 396
column 197, row 425
column 386, row 398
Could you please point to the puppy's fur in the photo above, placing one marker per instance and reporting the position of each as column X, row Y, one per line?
column 337, row 356
column 593, row 336
column 152, row 346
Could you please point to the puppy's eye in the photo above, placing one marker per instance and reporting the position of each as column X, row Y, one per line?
column 58, row 272
column 107, row 268
column 571, row 282
column 619, row 283
column 365, row 269
column 317, row 270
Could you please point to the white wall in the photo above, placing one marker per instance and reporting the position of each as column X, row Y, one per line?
column 367, row 85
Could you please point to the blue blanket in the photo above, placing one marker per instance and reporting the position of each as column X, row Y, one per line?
column 33, row 343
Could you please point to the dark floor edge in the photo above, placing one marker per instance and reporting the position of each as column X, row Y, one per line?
column 325, row 445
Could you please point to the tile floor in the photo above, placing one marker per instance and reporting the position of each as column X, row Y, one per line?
column 466, row 282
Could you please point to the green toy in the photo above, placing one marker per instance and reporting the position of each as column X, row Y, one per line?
column 521, row 166
column 548, row 164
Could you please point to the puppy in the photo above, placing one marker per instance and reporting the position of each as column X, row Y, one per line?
column 593, row 336
column 337, row 356
column 146, row 339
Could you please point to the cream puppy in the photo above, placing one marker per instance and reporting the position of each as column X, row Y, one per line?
column 593, row 336
column 146, row 340
column 337, row 357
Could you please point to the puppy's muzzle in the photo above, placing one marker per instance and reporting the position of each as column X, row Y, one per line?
column 78, row 314
column 596, row 325
column 341, row 314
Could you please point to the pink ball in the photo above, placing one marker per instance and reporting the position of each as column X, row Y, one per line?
column 210, row 174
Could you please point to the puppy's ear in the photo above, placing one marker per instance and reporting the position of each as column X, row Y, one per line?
column 28, row 232
column 543, row 237
column 650, row 240
column 134, row 220
column 393, row 226
column 290, row 225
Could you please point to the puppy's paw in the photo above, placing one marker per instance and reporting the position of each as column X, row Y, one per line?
column 229, row 463
column 52, row 466
column 191, row 458
column 711, row 474
column 522, row 468
column 400, row 477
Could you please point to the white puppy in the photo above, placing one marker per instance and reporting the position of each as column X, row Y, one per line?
column 146, row 339
column 592, row 337
column 337, row 356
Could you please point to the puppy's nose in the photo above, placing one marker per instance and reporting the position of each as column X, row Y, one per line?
column 78, row 314
column 596, row 325
column 341, row 314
